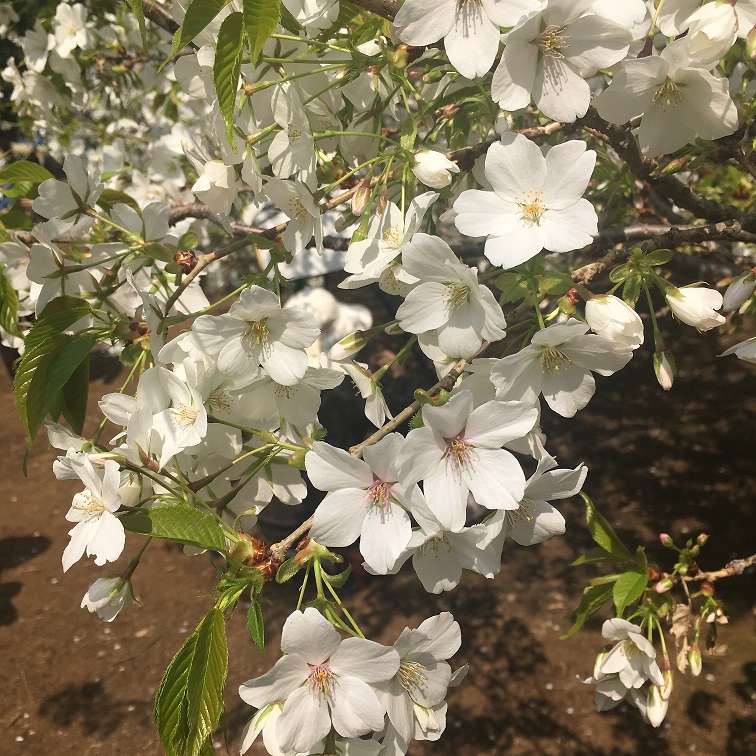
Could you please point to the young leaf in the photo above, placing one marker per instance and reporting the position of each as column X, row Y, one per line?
column 261, row 18
column 75, row 395
column 255, row 624
column 111, row 197
column 189, row 700
column 603, row 534
column 198, row 15
column 177, row 522
column 627, row 588
column 8, row 307
column 287, row 570
column 24, row 170
column 596, row 555
column 226, row 68
column 138, row 11
column 170, row 714
column 207, row 676
column 594, row 597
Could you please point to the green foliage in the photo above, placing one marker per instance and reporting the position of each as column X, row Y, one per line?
column 189, row 700
column 138, row 11
column 8, row 306
column 594, row 597
column 227, row 66
column 255, row 624
column 261, row 18
column 51, row 358
column 287, row 570
column 603, row 533
column 628, row 588
column 24, row 171
column 181, row 523
column 198, row 15
column 111, row 197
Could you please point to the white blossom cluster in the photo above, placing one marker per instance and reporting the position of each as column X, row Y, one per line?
column 224, row 413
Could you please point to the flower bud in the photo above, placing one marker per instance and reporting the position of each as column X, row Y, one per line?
column 694, row 659
column 107, row 596
column 696, row 306
column 669, row 682
column 665, row 369
column 186, row 260
column 702, row 538
column 361, row 197
column 739, row 292
column 600, row 657
column 348, row 346
column 656, row 706
column 434, row 169
column 666, row 540
column 610, row 317
column 663, row 585
column 750, row 44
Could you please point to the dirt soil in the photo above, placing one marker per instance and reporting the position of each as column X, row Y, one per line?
column 680, row 461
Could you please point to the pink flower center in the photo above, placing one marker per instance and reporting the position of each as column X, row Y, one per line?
column 459, row 453
column 379, row 495
column 320, row 680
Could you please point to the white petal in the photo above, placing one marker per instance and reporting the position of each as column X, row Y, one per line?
column 339, row 517
column 310, row 635
column 355, row 708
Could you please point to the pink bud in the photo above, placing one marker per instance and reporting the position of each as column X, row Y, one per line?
column 666, row 540
column 663, row 585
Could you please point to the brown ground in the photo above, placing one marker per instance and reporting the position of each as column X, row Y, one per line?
column 679, row 461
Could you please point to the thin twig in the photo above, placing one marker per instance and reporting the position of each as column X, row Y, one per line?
column 735, row 567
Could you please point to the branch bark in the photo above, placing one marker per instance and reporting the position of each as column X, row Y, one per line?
column 735, row 567
column 386, row 8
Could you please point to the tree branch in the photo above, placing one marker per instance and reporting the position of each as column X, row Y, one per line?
column 386, row 8
column 735, row 567
column 159, row 16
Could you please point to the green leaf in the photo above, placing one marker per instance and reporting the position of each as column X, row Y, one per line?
column 261, row 17
column 24, row 170
column 338, row 580
column 594, row 597
column 188, row 240
column 255, row 624
column 207, row 675
column 631, row 290
column 603, row 534
column 181, row 523
column 159, row 252
column 170, row 715
column 628, row 587
column 226, row 68
column 8, row 307
column 42, row 343
column 620, row 273
column 138, row 11
column 51, row 376
column 189, row 700
column 596, row 555
column 75, row 396
column 111, row 197
column 287, row 570
column 641, row 560
column 658, row 257
column 198, row 15
column 408, row 134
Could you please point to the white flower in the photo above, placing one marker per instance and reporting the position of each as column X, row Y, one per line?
column 217, row 186
column 424, row 674
column 97, row 531
column 550, row 54
column 314, row 15
column 325, row 682
column 257, row 332
column 633, row 659
column 665, row 369
column 366, row 499
column 70, row 28
column 449, row 300
column 678, row 101
column 108, row 596
column 58, row 199
column 376, row 409
column 293, row 148
column 536, row 201
column 696, row 306
column 439, row 555
column 653, row 706
column 388, row 234
column 470, row 30
column 610, row 317
column 295, row 200
column 558, row 363
column 434, row 169
column 458, row 452
column 536, row 520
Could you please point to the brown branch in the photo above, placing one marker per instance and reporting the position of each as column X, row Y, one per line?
column 386, row 8
column 735, row 567
column 160, row 16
